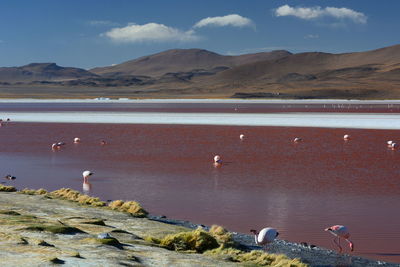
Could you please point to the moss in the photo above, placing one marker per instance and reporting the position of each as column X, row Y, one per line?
column 55, row 229
column 131, row 207
column 9, row 212
column 197, row 240
column 5, row 188
column 222, row 236
column 256, row 257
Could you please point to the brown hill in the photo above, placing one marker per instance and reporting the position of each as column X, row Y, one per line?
column 42, row 71
column 183, row 60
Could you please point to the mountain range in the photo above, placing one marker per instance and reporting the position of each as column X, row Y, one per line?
column 200, row 73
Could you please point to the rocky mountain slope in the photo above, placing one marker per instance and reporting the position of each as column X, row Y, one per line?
column 201, row 73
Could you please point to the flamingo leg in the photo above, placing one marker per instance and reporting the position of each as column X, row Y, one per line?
column 338, row 244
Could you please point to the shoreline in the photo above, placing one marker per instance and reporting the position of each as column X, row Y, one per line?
column 39, row 206
column 195, row 100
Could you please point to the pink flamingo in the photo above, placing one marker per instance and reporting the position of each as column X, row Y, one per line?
column 346, row 137
column 77, row 140
column 265, row 236
column 340, row 231
column 241, row 137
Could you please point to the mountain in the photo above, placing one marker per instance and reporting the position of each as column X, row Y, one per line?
column 42, row 71
column 183, row 60
column 200, row 73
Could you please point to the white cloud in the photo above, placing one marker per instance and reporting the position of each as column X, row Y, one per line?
column 311, row 36
column 150, row 32
column 102, row 23
column 234, row 20
column 318, row 12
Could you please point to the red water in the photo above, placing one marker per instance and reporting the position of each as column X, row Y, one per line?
column 265, row 180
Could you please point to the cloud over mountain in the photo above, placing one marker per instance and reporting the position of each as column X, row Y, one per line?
column 150, row 32
column 309, row 13
column 233, row 20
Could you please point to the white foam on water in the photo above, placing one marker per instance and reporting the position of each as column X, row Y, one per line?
column 324, row 120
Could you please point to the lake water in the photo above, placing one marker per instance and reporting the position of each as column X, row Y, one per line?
column 265, row 180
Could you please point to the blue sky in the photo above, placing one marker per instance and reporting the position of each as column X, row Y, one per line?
column 94, row 33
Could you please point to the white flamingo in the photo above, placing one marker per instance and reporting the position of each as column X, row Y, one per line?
column 86, row 174
column 265, row 236
column 346, row 137
column 77, row 140
column 241, row 137
column 297, row 140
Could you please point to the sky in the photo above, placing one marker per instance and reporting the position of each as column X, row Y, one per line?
column 95, row 33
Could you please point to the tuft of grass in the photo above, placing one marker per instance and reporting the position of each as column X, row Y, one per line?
column 28, row 191
column 223, row 237
column 55, row 229
column 197, row 240
column 256, row 257
column 5, row 188
column 131, row 207
column 76, row 196
column 40, row 242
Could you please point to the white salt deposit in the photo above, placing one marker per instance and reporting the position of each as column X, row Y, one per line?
column 325, row 120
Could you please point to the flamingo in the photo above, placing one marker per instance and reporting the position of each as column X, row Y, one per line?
column 340, row 231
column 217, row 159
column 241, row 137
column 86, row 174
column 265, row 236
column 393, row 146
column 103, row 142
column 10, row 177
column 346, row 137
column 389, row 143
column 297, row 140
column 77, row 140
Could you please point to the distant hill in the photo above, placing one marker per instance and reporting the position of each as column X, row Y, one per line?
column 200, row 73
column 183, row 60
column 42, row 71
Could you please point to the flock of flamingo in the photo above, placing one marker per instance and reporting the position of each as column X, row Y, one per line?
column 266, row 235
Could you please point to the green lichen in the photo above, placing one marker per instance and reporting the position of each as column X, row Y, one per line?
column 55, row 229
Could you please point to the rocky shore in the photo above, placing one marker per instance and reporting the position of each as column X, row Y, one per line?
column 38, row 228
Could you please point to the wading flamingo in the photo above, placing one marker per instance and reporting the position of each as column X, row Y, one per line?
column 393, row 146
column 346, row 137
column 103, row 142
column 217, row 161
column 57, row 145
column 86, row 174
column 297, row 140
column 241, row 137
column 265, row 236
column 10, row 177
column 340, row 231
column 77, row 140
